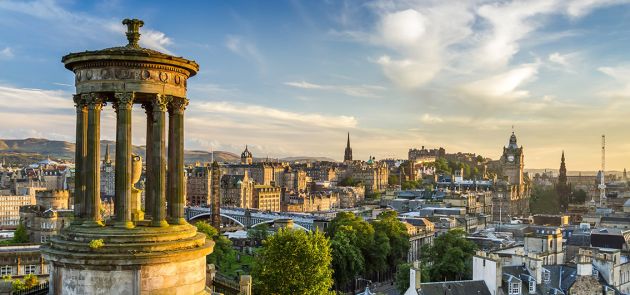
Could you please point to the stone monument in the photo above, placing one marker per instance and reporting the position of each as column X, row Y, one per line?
column 154, row 252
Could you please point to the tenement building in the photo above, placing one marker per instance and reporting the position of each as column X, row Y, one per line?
column 136, row 251
column 10, row 208
column 48, row 216
column 198, row 185
column 267, row 197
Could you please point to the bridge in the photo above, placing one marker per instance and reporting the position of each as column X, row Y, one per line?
column 249, row 218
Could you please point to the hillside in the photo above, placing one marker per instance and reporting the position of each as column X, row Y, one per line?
column 31, row 150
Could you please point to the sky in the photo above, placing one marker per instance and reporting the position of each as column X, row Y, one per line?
column 291, row 78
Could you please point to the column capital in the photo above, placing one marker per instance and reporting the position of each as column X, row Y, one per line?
column 123, row 100
column 93, row 100
column 160, row 103
column 177, row 105
column 79, row 102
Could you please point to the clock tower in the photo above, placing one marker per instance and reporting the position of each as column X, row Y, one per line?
column 512, row 162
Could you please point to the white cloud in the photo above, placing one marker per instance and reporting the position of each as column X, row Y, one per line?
column 579, row 8
column 621, row 74
column 509, row 23
column 431, row 119
column 420, row 37
column 87, row 26
column 245, row 49
column 351, row 90
column 504, row 86
column 282, row 116
column 561, row 59
column 6, row 53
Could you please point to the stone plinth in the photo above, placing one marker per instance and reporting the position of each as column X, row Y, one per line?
column 142, row 260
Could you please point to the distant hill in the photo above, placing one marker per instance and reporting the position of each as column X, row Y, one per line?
column 303, row 159
column 31, row 150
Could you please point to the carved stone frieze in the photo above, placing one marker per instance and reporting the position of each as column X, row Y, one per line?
column 165, row 76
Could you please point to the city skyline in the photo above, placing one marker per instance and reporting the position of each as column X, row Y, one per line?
column 294, row 80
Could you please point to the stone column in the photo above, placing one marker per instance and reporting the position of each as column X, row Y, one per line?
column 79, row 162
column 158, row 163
column 149, row 195
column 177, row 199
column 122, row 204
column 92, row 217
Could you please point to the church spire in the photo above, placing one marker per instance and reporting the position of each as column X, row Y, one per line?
column 348, row 145
column 347, row 156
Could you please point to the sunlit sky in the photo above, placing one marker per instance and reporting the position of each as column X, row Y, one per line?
column 290, row 78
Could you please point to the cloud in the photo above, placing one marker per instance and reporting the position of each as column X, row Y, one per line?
column 148, row 38
column 245, row 49
column 419, row 38
column 281, row 116
column 559, row 59
column 84, row 25
column 431, row 119
column 350, row 90
column 509, row 22
column 579, row 8
column 504, row 86
column 6, row 53
column 621, row 74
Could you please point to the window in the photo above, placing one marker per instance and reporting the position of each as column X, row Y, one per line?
column 532, row 287
column 6, row 270
column 30, row 269
column 546, row 275
column 515, row 288
column 44, row 238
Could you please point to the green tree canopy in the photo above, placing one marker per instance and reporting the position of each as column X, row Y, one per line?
column 258, row 233
column 397, row 237
column 294, row 262
column 20, row 235
column 347, row 259
column 223, row 254
column 544, row 200
column 402, row 277
column 449, row 258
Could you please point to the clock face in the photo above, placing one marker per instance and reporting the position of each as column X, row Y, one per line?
column 510, row 158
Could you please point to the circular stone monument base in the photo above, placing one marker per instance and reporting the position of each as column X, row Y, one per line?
column 141, row 260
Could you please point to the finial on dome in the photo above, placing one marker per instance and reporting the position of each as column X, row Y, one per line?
column 133, row 31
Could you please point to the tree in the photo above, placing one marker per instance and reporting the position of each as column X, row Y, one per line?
column 258, row 233
column 294, row 262
column 393, row 179
column 20, row 236
column 402, row 277
column 374, row 251
column 449, row 258
column 578, row 196
column 544, row 200
column 397, row 236
column 347, row 259
column 223, row 255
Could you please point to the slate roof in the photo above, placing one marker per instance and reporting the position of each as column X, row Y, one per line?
column 454, row 288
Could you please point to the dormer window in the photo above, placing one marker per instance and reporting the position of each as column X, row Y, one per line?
column 532, row 287
column 515, row 288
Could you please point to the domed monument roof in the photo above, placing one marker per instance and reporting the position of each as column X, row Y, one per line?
column 130, row 68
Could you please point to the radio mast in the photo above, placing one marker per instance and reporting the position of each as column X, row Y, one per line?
column 602, row 183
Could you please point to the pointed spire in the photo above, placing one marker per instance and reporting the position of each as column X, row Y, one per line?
column 562, row 156
column 348, row 145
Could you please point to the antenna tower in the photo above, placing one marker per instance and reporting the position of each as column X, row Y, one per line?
column 602, row 183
